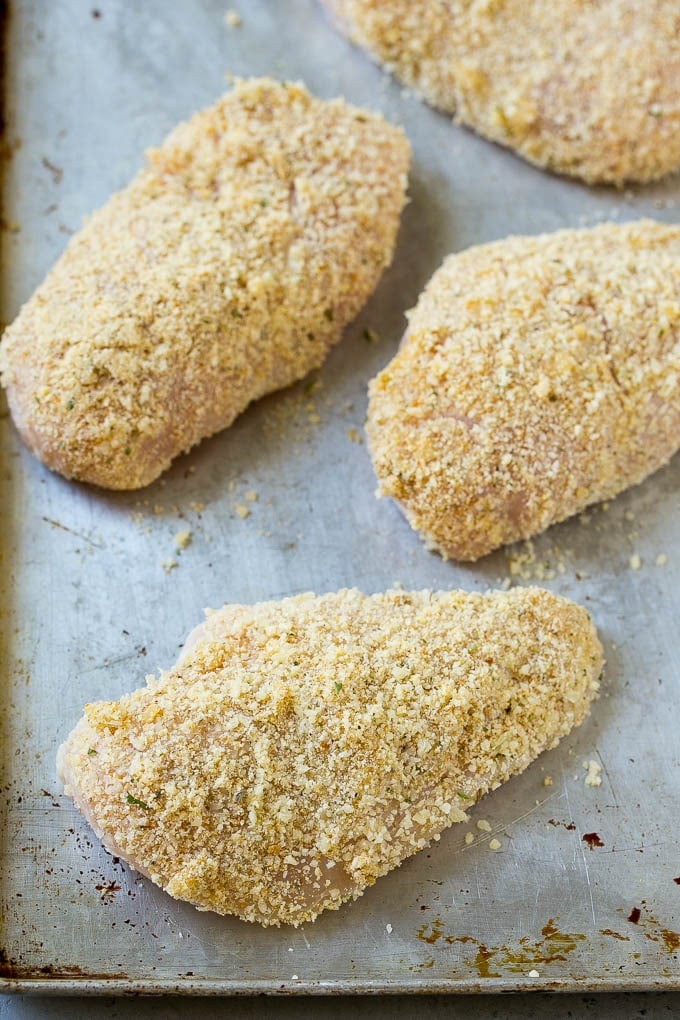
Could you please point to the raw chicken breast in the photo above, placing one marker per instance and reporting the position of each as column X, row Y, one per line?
column 301, row 749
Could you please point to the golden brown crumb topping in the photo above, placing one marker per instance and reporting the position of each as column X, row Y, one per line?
column 586, row 88
column 226, row 269
column 537, row 375
column 300, row 749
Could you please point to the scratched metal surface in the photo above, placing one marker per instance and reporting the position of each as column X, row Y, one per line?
column 88, row 608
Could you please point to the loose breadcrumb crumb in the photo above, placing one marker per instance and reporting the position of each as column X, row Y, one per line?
column 241, row 510
column 183, row 539
column 483, row 825
column 547, row 781
column 469, row 838
column 594, row 773
column 233, row 19
column 494, row 844
column 524, row 562
column 635, row 562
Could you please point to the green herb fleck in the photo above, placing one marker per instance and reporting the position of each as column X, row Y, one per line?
column 236, row 314
column 464, row 796
column 136, row 802
column 328, row 312
column 91, row 751
column 338, row 686
column 70, row 405
column 128, row 451
column 264, row 202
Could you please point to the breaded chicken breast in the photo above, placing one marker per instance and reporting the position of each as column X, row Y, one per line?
column 225, row 270
column 301, row 749
column 589, row 88
column 537, row 375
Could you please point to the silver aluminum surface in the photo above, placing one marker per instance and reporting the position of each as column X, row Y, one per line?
column 88, row 608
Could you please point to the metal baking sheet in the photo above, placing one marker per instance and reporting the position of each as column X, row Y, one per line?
column 95, row 595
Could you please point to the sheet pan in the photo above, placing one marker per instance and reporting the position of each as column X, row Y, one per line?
column 94, row 594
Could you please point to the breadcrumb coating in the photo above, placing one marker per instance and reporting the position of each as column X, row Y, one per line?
column 301, row 749
column 225, row 270
column 537, row 375
column 589, row 88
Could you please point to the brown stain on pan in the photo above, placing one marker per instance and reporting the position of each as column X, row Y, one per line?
column 592, row 840
column 552, row 934
column 614, row 934
column 435, row 933
column 554, row 946
column 14, row 970
column 7, row 966
column 671, row 939
column 482, row 962
column 654, row 930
